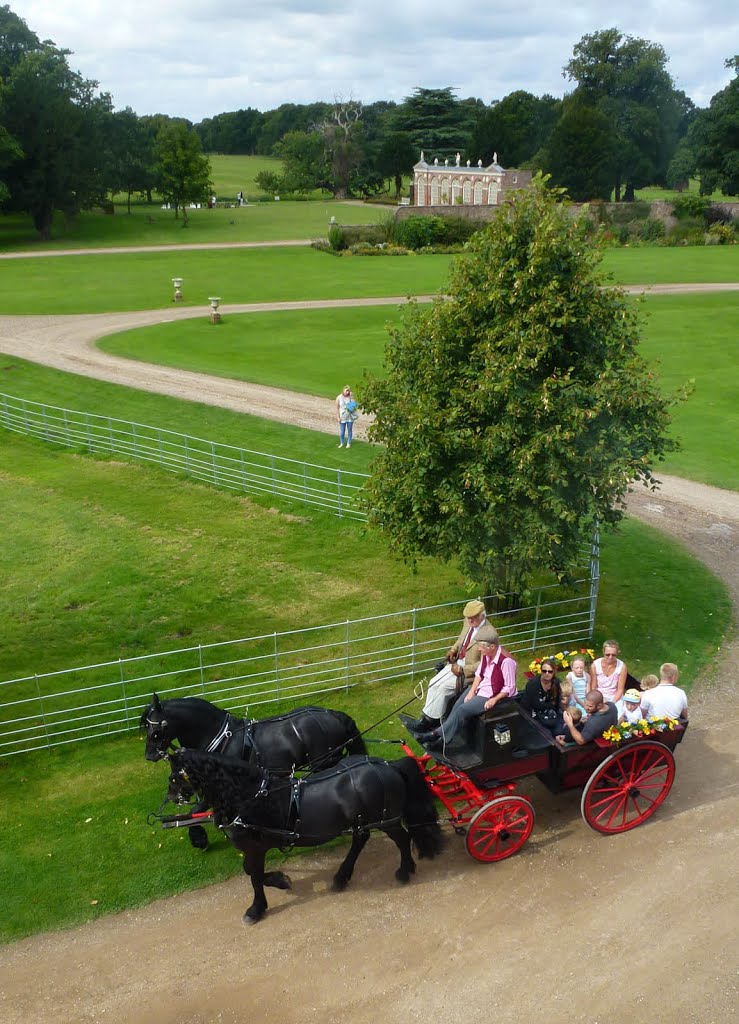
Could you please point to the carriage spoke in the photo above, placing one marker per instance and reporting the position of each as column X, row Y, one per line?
column 628, row 787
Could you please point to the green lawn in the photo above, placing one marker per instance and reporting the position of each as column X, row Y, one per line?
column 96, row 284
column 689, row 337
column 93, row 284
column 150, row 225
column 232, row 173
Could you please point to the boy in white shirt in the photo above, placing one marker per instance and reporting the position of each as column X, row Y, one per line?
column 666, row 700
column 631, row 711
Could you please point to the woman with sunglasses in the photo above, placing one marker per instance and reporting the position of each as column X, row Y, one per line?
column 543, row 697
column 608, row 674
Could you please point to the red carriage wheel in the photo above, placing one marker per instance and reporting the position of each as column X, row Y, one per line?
column 500, row 828
column 628, row 787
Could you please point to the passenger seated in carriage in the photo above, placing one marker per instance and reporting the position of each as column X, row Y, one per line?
column 542, row 697
column 666, row 700
column 494, row 681
column 601, row 716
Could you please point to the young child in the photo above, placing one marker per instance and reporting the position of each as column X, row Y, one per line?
column 649, row 682
column 578, row 679
column 567, row 696
column 632, row 711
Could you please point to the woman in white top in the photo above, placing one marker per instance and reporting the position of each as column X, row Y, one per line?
column 608, row 674
column 345, row 413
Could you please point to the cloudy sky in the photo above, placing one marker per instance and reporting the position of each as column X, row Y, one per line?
column 194, row 58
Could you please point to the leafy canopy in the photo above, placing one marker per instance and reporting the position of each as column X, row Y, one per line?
column 514, row 413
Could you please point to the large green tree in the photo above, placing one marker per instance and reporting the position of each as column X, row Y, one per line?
column 130, row 154
column 514, row 414
column 713, row 139
column 626, row 79
column 515, row 128
column 436, row 121
column 58, row 120
column 581, row 152
column 182, row 170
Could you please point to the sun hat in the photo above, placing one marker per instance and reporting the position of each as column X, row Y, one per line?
column 473, row 608
column 633, row 696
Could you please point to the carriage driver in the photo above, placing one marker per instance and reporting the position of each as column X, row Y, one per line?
column 462, row 660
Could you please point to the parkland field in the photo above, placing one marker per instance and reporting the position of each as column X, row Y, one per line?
column 103, row 559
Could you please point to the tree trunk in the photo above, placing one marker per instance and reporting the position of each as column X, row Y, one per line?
column 42, row 219
column 617, row 191
column 129, row 201
column 629, row 196
column 398, row 185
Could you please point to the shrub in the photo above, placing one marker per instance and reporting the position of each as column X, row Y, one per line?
column 456, row 230
column 353, row 234
column 415, row 232
column 689, row 231
column 336, row 238
column 719, row 234
column 690, row 205
column 652, row 230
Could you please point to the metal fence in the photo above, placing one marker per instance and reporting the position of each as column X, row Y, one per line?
column 279, row 669
column 237, row 469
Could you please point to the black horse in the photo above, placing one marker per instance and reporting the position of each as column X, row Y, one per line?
column 260, row 812
column 305, row 738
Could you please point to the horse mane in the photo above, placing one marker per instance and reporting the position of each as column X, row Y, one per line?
column 173, row 703
column 224, row 782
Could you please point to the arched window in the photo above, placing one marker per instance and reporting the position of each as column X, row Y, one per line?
column 478, row 193
column 445, row 191
column 420, row 192
column 455, row 190
column 434, row 191
column 493, row 195
column 467, row 192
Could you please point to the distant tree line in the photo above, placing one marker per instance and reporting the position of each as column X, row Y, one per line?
column 623, row 126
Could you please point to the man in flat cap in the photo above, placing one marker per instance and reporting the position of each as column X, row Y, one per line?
column 462, row 660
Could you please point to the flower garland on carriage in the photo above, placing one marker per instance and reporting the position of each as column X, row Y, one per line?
column 562, row 659
column 627, row 730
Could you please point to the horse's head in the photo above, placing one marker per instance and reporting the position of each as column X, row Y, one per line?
column 179, row 790
column 158, row 737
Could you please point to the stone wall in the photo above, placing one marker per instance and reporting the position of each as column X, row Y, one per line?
column 661, row 210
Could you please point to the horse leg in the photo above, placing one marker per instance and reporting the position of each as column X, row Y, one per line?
column 402, row 840
column 346, row 868
column 277, row 879
column 254, row 855
column 198, row 837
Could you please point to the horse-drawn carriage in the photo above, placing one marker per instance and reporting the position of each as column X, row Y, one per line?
column 475, row 779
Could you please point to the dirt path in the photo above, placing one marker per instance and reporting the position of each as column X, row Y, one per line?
column 576, row 928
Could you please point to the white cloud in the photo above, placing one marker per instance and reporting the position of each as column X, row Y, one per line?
column 197, row 59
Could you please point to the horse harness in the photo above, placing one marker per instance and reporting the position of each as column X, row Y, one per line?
column 292, row 832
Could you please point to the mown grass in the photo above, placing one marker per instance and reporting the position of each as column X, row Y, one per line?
column 151, row 225
column 112, row 283
column 104, row 559
column 116, row 282
column 687, row 336
column 75, row 840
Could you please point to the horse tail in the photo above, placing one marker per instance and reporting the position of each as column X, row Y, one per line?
column 419, row 810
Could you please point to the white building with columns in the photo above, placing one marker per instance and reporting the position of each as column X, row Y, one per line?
column 442, row 184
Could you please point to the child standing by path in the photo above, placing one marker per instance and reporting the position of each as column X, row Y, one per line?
column 346, row 411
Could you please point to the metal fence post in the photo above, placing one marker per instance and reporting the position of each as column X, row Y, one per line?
column 110, row 435
column 277, row 666
column 202, row 674
column 347, row 655
column 536, row 621
column 243, row 472
column 338, row 492
column 213, row 458
column 135, row 445
column 123, row 691
column 87, row 428
column 413, row 644
column 25, row 415
column 7, row 414
column 66, row 428
column 274, row 474
column 159, row 444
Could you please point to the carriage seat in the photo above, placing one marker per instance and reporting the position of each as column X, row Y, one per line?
column 495, row 734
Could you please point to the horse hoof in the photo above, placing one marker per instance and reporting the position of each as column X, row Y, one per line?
column 253, row 916
column 402, row 876
column 339, row 884
column 198, row 837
